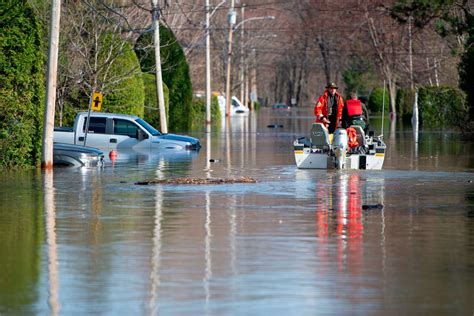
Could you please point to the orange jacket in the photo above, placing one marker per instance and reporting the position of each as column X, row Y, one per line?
column 321, row 107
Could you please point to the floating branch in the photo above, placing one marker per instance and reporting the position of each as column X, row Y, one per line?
column 197, row 181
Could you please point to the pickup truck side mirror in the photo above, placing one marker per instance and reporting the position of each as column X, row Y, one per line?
column 141, row 135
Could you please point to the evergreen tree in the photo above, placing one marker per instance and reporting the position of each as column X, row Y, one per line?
column 466, row 65
column 21, row 85
column 175, row 72
column 152, row 113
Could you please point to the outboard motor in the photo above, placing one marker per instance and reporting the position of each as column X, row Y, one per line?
column 339, row 147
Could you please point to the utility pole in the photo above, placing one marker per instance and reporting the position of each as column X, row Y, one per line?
column 242, row 69
column 246, row 94
column 253, row 80
column 410, row 48
column 429, row 71
column 208, row 66
column 231, row 17
column 48, row 118
column 155, row 11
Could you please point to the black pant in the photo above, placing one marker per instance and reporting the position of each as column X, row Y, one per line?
column 332, row 124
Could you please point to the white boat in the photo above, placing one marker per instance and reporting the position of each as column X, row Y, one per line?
column 318, row 152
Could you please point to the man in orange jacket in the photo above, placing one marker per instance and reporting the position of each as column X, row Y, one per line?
column 328, row 108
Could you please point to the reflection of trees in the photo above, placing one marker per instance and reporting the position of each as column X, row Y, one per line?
column 21, row 231
column 434, row 151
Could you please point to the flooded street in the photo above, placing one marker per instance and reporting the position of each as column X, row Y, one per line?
column 88, row 241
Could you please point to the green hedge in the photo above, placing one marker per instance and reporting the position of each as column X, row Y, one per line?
column 442, row 107
column 466, row 76
column 375, row 100
column 404, row 100
column 21, row 85
column 152, row 111
column 199, row 108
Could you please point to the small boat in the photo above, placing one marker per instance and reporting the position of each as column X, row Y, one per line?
column 318, row 152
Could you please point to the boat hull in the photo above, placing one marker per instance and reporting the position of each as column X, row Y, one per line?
column 307, row 159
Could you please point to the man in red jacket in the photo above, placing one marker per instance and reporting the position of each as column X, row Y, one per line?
column 355, row 113
column 328, row 108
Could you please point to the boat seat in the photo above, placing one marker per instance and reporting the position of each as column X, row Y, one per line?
column 360, row 135
column 319, row 136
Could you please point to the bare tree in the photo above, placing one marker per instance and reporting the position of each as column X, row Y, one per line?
column 384, row 38
column 94, row 35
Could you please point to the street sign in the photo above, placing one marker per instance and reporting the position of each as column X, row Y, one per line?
column 96, row 101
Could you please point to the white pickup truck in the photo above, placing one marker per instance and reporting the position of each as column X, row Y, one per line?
column 109, row 132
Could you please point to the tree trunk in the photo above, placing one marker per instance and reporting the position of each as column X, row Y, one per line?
column 325, row 57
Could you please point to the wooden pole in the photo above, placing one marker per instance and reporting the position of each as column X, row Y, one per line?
column 48, row 118
column 158, row 72
column 228, row 88
column 208, row 66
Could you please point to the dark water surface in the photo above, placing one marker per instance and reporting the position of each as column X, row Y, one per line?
column 298, row 242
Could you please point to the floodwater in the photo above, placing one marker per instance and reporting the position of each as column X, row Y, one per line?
column 88, row 241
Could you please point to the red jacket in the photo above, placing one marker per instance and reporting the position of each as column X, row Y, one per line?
column 354, row 107
column 321, row 107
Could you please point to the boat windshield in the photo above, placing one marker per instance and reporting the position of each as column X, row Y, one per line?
column 148, row 127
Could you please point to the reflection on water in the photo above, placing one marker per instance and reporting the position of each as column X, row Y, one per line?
column 296, row 242
column 339, row 213
column 50, row 215
column 21, row 232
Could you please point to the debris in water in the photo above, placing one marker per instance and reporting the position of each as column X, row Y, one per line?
column 372, row 206
column 275, row 126
column 197, row 181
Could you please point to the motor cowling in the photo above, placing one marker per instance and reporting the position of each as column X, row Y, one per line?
column 339, row 147
column 340, row 139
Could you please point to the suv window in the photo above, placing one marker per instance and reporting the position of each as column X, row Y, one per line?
column 96, row 125
column 124, row 127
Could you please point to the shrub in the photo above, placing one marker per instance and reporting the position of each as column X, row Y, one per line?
column 175, row 72
column 442, row 107
column 466, row 77
column 405, row 99
column 199, row 107
column 126, row 93
column 376, row 100
column 21, row 85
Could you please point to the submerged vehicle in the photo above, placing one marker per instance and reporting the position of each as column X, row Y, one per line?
column 319, row 152
column 76, row 155
column 110, row 131
column 237, row 107
column 281, row 107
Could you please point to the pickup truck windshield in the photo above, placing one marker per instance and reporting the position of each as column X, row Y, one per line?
column 148, row 127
